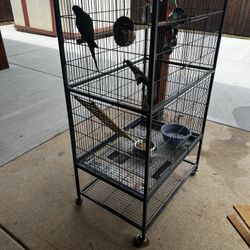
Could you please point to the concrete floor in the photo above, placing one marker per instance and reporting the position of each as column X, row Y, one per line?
column 37, row 194
column 32, row 99
column 230, row 101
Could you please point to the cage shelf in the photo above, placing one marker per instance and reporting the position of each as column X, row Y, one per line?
column 131, row 209
column 123, row 91
column 116, row 162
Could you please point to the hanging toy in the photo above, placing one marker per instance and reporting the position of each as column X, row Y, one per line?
column 172, row 41
column 123, row 29
column 124, row 33
column 170, row 35
column 178, row 16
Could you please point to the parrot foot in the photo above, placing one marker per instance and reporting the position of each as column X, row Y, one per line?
column 80, row 41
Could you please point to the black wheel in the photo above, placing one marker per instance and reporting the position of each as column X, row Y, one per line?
column 139, row 242
column 194, row 172
column 78, row 201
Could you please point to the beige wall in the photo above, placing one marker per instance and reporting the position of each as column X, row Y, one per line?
column 65, row 9
column 17, row 12
column 68, row 25
column 39, row 14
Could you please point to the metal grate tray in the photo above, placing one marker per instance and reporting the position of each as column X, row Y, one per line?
column 130, row 209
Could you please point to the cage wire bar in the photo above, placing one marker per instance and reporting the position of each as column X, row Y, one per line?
column 109, row 111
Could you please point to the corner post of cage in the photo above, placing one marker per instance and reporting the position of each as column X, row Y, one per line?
column 145, row 46
column 66, row 92
column 152, row 62
column 212, row 77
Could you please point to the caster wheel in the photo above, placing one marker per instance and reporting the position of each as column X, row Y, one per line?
column 194, row 172
column 78, row 201
column 139, row 242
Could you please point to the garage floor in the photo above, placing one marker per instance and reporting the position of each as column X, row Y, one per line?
column 38, row 194
column 230, row 101
column 32, row 99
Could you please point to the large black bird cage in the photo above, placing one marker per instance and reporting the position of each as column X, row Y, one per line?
column 139, row 139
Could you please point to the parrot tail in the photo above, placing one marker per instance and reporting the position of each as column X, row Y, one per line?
column 92, row 50
column 95, row 45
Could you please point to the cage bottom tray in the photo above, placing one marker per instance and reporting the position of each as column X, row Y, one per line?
column 131, row 209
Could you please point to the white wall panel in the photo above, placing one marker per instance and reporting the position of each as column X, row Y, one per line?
column 17, row 12
column 39, row 14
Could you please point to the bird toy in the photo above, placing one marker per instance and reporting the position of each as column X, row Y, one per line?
column 124, row 33
column 176, row 18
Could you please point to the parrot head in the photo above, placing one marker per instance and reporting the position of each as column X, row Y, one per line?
column 77, row 9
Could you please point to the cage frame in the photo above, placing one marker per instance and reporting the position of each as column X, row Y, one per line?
column 140, row 240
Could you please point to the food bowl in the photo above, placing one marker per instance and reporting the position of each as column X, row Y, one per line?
column 175, row 134
column 140, row 148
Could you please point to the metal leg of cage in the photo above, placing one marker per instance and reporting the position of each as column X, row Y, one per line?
column 211, row 83
column 204, row 123
column 141, row 241
column 78, row 199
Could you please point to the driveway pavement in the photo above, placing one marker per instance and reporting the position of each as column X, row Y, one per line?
column 32, row 102
column 230, row 101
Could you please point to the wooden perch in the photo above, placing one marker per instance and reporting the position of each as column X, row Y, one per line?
column 95, row 110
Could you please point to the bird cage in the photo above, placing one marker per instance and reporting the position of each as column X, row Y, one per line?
column 138, row 77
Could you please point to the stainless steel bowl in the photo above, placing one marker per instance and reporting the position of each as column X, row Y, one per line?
column 140, row 148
